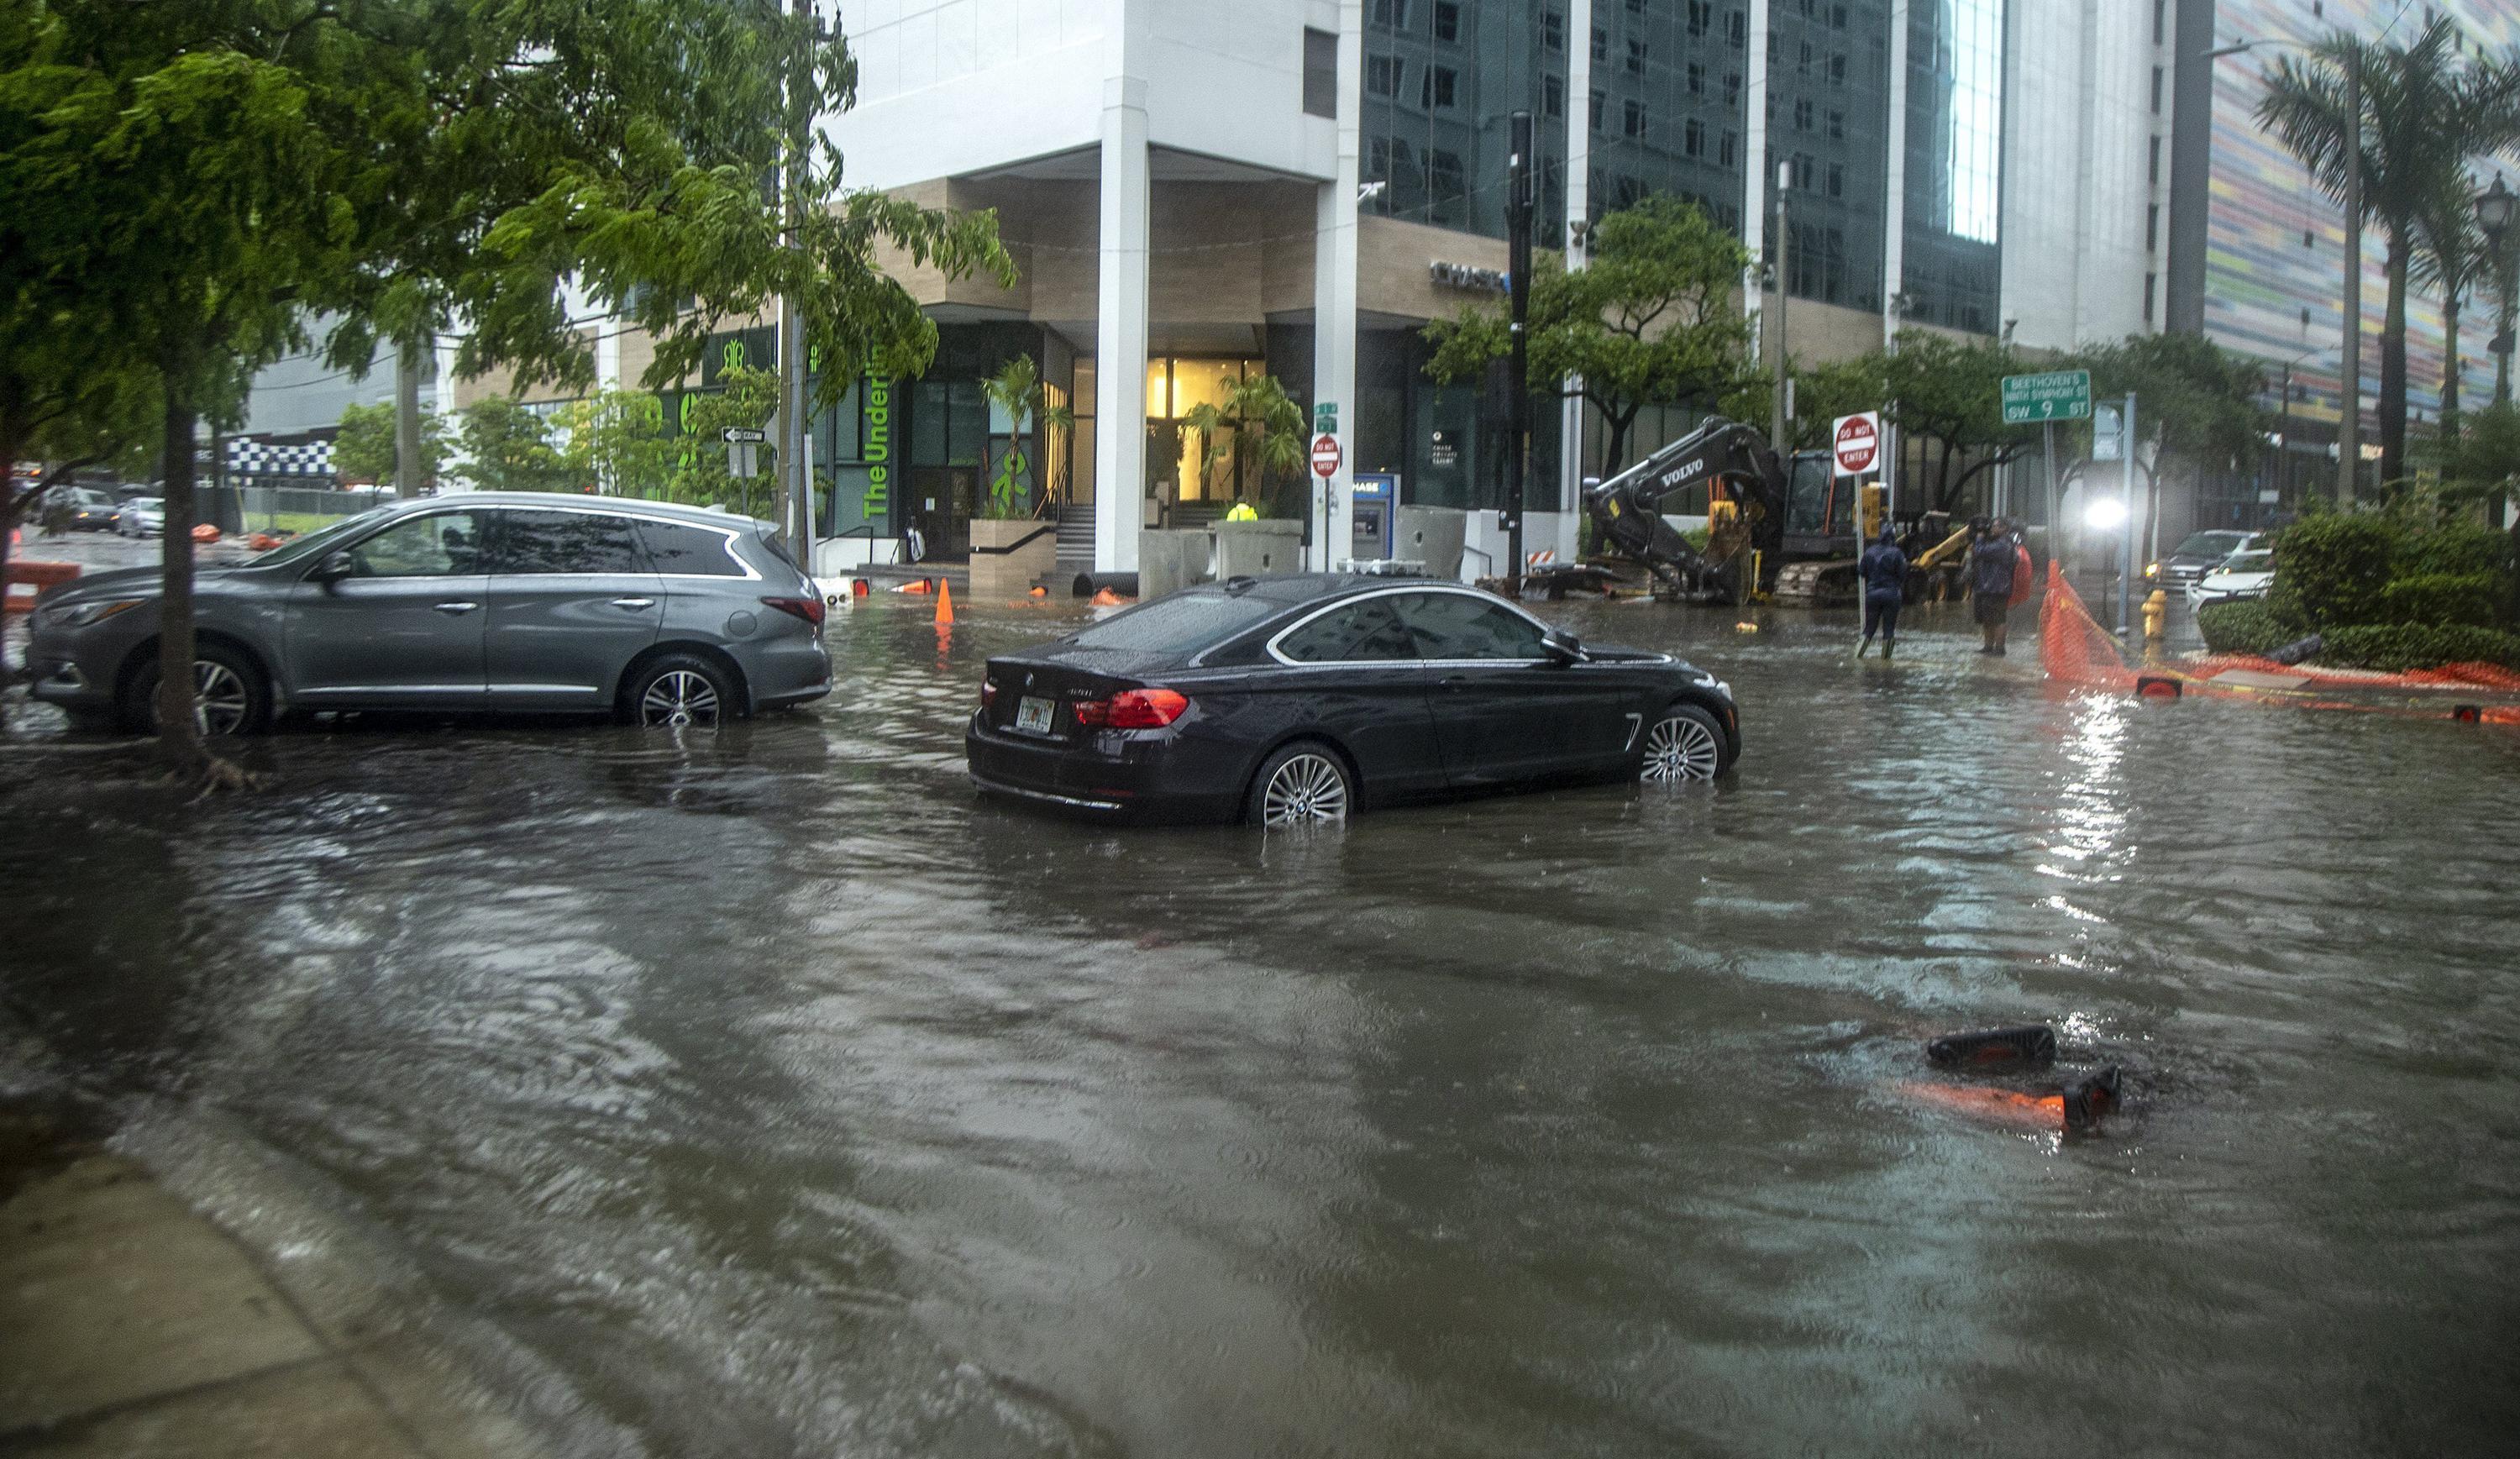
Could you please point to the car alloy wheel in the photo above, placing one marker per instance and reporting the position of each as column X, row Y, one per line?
column 1680, row 747
column 221, row 701
column 678, row 699
column 1305, row 787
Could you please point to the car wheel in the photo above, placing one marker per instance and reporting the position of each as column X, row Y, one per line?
column 1301, row 784
column 1683, row 744
column 680, row 692
column 229, row 694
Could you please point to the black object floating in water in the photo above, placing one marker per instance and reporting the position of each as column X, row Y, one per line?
column 2026, row 1047
column 2090, row 1097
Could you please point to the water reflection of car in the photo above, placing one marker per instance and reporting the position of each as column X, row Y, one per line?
column 2245, row 574
column 663, row 615
column 2198, row 555
column 1288, row 699
column 142, row 516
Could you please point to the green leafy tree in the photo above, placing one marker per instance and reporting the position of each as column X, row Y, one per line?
column 182, row 191
column 616, row 441
column 365, row 449
column 2484, row 465
column 1822, row 393
column 2452, row 260
column 699, row 474
column 1650, row 319
column 509, row 448
column 2427, row 108
column 1257, row 416
column 1017, row 390
column 1946, row 396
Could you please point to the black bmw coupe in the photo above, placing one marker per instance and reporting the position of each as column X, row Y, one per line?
column 1288, row 699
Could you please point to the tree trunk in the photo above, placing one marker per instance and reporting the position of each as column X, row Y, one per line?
column 2450, row 366
column 2392, row 369
column 179, row 734
column 1614, row 449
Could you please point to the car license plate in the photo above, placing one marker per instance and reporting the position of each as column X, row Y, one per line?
column 1032, row 716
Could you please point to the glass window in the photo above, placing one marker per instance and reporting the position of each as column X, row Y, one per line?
column 1448, row 20
column 1321, row 72
column 1179, row 624
column 1552, row 31
column 1636, row 57
column 691, row 551
column 566, row 541
column 1636, row 119
column 1553, row 95
column 440, row 545
column 1365, row 632
column 1601, row 44
column 1436, row 92
column 1381, row 74
column 1701, row 14
column 1458, row 626
column 1391, row 13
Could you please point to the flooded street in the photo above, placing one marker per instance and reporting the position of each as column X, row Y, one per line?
column 769, row 1094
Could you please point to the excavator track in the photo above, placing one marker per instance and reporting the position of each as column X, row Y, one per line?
column 1814, row 583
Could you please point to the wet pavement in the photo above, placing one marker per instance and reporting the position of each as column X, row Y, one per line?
column 766, row 1093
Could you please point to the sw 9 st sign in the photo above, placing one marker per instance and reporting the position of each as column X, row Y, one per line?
column 2058, row 395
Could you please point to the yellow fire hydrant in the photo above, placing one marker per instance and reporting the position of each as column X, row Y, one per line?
column 2157, row 608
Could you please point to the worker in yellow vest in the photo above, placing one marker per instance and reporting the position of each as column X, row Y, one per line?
column 1240, row 511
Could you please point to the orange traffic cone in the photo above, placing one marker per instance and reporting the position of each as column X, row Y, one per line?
column 944, row 602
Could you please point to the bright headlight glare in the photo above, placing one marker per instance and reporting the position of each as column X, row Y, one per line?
column 82, row 614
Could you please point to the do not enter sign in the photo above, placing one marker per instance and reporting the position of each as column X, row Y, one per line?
column 1325, row 456
column 1858, row 442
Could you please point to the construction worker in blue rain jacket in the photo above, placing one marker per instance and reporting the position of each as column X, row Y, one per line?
column 1885, row 571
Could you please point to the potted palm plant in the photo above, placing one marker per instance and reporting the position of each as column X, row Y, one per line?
column 1255, row 417
column 1009, row 545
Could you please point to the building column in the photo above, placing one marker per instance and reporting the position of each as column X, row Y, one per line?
column 1754, row 176
column 1120, row 326
column 1335, row 253
column 1894, row 201
column 1579, row 208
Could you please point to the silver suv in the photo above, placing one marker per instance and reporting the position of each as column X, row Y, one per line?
column 486, row 600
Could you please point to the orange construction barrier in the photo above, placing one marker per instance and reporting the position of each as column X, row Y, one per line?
column 921, row 585
column 36, row 576
column 944, row 603
column 205, row 533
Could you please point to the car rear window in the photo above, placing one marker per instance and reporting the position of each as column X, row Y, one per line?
column 691, row 551
column 544, row 543
column 1180, row 624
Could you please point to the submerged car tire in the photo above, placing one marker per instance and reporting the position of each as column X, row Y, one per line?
column 1303, row 783
column 230, row 696
column 1683, row 744
column 680, row 692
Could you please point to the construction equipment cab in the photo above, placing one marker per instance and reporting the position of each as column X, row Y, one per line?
column 1732, row 462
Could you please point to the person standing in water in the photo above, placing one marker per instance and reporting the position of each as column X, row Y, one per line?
column 1991, row 571
column 1885, row 571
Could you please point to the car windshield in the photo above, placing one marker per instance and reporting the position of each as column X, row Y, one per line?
column 2209, row 544
column 1178, row 624
column 146, row 504
column 320, row 540
column 2249, row 561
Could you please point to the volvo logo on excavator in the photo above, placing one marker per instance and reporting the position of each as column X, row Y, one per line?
column 1683, row 472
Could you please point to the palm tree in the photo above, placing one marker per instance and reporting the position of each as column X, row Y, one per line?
column 1017, row 390
column 2450, row 260
column 1255, row 409
column 2425, row 111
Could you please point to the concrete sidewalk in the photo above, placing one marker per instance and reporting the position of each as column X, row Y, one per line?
column 131, row 1326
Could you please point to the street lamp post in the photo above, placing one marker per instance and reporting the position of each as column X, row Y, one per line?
column 2349, row 428
column 2495, row 209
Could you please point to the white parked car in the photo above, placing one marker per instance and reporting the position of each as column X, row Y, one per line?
column 2243, row 574
column 142, row 516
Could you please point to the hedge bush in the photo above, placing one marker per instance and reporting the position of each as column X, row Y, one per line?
column 2406, row 645
column 2475, row 600
column 2330, row 569
column 2458, row 549
column 2248, row 626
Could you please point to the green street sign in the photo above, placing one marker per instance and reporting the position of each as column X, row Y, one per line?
column 2058, row 395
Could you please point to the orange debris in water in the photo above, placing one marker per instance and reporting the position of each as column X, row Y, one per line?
column 1040, row 592
column 1994, row 1106
column 1106, row 598
column 205, row 533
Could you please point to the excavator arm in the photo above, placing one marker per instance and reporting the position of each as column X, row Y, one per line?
column 1627, row 509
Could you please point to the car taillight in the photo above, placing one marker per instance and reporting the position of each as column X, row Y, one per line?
column 988, row 694
column 808, row 608
column 1132, row 709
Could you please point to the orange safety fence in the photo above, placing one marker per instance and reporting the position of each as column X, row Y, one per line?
column 2076, row 650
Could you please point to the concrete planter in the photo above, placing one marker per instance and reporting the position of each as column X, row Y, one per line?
column 1006, row 556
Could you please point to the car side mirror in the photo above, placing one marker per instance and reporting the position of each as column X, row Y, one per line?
column 1562, row 647
column 332, row 568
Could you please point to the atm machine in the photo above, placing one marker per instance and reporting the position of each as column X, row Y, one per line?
column 1378, row 502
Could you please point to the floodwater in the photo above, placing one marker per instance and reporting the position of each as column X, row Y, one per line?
column 768, row 1094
